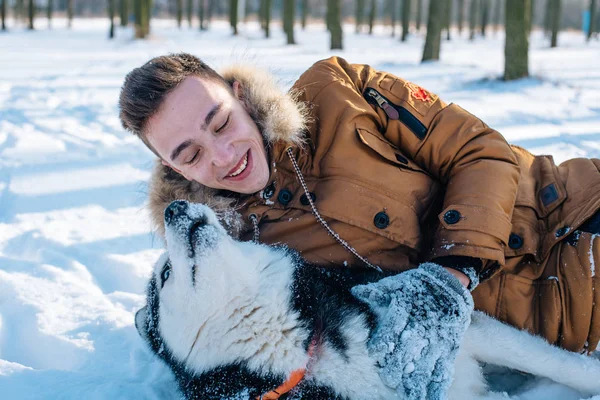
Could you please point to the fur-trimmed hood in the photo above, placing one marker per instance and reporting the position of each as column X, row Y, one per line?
column 280, row 117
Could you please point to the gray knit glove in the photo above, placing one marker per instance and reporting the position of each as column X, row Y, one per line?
column 422, row 316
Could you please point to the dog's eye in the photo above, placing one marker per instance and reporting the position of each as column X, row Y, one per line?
column 164, row 275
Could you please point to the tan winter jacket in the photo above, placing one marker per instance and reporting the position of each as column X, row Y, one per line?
column 403, row 177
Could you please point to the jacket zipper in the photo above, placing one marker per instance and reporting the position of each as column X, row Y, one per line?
column 397, row 112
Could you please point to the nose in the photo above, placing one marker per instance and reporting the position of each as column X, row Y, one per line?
column 174, row 209
column 222, row 154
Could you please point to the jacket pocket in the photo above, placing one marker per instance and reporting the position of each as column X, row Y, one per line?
column 379, row 144
column 532, row 305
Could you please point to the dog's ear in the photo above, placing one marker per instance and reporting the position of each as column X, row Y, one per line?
column 141, row 322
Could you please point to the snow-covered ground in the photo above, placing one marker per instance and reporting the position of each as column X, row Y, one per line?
column 75, row 241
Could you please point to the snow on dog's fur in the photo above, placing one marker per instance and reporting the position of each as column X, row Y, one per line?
column 235, row 319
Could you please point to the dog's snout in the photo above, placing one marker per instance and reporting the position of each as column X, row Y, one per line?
column 174, row 209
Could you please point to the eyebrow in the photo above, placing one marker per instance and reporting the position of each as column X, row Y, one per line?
column 207, row 120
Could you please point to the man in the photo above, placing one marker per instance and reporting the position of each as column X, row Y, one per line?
column 356, row 166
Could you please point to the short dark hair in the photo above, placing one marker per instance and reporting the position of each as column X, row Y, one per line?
column 146, row 87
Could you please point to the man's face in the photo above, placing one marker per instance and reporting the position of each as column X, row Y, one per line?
column 203, row 131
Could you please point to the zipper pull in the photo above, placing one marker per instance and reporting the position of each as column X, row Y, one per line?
column 390, row 111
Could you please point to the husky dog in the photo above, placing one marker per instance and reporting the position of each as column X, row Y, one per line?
column 240, row 320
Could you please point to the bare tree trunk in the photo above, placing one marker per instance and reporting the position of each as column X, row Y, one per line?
column 359, row 14
column 233, row 15
column 497, row 15
column 372, row 14
column 391, row 7
column 111, row 17
column 267, row 17
column 555, row 22
column 124, row 12
column 485, row 15
column 201, row 13
column 190, row 10
column 435, row 21
column 142, row 10
column 548, row 18
column 531, row 14
column 179, row 12
column 334, row 23
column 305, row 7
column 473, row 19
column 288, row 20
column 592, row 26
column 70, row 13
column 448, row 18
column 31, row 13
column 3, row 13
column 460, row 15
column 405, row 18
column 516, row 48
column 419, row 15
column 49, row 9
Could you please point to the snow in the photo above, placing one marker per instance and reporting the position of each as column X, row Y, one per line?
column 76, row 247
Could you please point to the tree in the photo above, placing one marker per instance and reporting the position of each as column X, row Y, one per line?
column 305, row 7
column 391, row 5
column 435, row 21
column 70, row 13
column 202, row 13
column 267, row 17
column 460, row 15
column 447, row 17
column 497, row 15
column 531, row 14
column 372, row 14
column 111, row 17
column 419, row 15
column 592, row 26
column 49, row 8
column 142, row 10
column 3, row 13
column 179, row 12
column 233, row 15
column 288, row 20
column 405, row 19
column 359, row 14
column 190, row 10
column 472, row 19
column 555, row 13
column 485, row 15
column 31, row 13
column 334, row 22
column 124, row 12
column 516, row 48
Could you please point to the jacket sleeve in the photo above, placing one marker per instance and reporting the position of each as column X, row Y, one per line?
column 473, row 162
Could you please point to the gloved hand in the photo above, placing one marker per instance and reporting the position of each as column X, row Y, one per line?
column 422, row 315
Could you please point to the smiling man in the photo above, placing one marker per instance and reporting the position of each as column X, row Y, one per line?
column 204, row 133
column 358, row 167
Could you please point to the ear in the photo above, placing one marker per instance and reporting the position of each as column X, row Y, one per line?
column 166, row 164
column 237, row 89
column 140, row 322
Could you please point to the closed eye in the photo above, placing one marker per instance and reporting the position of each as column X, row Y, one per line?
column 191, row 160
column 222, row 127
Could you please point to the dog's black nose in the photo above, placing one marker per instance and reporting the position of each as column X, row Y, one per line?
column 174, row 209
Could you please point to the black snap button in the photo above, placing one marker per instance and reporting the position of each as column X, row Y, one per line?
column 401, row 159
column 304, row 199
column 381, row 220
column 562, row 231
column 515, row 241
column 284, row 197
column 451, row 217
column 269, row 191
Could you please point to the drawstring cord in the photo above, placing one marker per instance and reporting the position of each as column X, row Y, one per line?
column 331, row 232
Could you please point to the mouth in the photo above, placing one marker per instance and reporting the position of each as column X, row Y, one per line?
column 241, row 169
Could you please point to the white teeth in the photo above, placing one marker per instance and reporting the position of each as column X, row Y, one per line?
column 242, row 167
